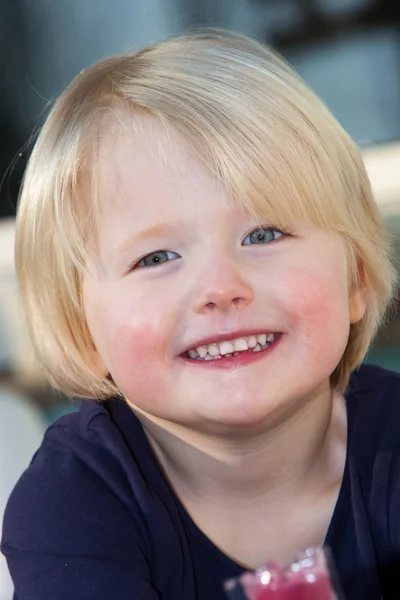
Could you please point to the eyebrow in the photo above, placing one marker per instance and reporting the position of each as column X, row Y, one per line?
column 149, row 232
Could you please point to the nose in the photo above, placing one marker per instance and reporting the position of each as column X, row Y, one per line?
column 221, row 287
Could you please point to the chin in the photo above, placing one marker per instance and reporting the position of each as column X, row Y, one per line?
column 238, row 420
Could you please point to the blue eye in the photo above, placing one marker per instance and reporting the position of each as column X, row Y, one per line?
column 157, row 258
column 262, row 235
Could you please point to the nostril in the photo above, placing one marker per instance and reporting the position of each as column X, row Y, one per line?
column 224, row 304
column 223, row 297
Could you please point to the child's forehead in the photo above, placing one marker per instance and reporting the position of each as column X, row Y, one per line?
column 142, row 136
column 143, row 155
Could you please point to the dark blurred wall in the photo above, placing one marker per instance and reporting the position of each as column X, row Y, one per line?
column 13, row 57
column 44, row 44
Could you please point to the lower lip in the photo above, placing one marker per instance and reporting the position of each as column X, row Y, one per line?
column 233, row 362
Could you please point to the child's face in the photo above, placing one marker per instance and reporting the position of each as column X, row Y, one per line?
column 210, row 281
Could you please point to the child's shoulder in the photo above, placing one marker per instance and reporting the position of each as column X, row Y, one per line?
column 375, row 385
column 373, row 401
column 83, row 464
column 373, row 462
column 368, row 374
column 75, row 524
column 105, row 438
column 94, row 425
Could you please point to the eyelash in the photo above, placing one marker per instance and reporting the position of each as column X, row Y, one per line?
column 261, row 229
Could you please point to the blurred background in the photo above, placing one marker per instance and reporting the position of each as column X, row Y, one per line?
column 347, row 50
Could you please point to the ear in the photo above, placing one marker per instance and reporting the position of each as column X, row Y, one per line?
column 359, row 296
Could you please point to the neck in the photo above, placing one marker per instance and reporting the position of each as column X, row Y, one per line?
column 295, row 450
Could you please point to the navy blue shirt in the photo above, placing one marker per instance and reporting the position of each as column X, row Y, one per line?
column 93, row 517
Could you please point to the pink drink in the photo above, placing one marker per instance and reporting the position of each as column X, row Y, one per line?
column 307, row 578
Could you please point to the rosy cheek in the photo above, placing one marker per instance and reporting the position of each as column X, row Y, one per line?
column 316, row 307
column 135, row 362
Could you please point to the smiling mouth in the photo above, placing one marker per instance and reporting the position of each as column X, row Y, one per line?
column 232, row 348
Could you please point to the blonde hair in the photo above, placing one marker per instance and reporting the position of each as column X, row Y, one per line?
column 252, row 121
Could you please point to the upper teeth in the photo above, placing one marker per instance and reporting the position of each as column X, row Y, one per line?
column 218, row 349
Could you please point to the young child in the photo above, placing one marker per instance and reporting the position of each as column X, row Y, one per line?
column 201, row 258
